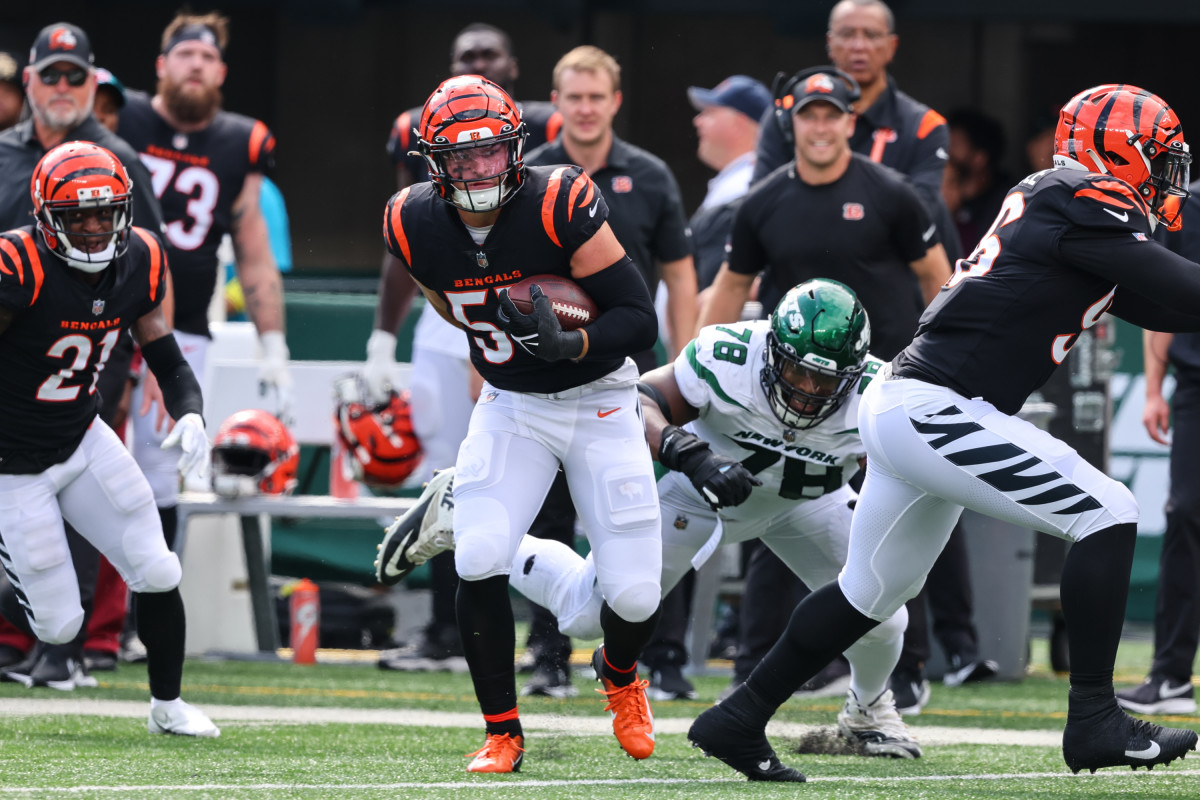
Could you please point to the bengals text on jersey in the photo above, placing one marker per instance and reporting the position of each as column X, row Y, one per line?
column 556, row 211
column 62, row 333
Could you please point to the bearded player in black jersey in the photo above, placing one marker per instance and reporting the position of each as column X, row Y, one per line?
column 207, row 167
column 482, row 223
column 69, row 285
column 1070, row 243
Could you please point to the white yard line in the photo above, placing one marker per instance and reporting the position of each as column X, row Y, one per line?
column 597, row 725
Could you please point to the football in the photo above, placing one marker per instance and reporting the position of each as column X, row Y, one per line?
column 570, row 302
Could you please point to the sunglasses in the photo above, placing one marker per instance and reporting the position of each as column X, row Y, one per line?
column 76, row 76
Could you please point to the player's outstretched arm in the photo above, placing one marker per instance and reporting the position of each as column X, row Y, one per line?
column 663, row 404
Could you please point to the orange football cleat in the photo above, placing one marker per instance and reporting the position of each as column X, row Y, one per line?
column 500, row 753
column 633, row 723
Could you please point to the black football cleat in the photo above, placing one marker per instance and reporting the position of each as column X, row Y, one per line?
column 718, row 733
column 1099, row 734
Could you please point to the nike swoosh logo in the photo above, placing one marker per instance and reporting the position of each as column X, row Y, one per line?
column 1123, row 216
column 1167, row 690
column 764, row 765
column 942, row 154
column 933, row 228
column 603, row 414
column 1150, row 752
column 592, row 210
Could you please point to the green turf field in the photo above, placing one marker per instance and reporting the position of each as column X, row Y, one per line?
column 353, row 731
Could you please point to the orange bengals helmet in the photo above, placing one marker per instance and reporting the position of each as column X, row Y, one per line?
column 1131, row 134
column 470, row 113
column 82, row 175
column 381, row 446
column 254, row 453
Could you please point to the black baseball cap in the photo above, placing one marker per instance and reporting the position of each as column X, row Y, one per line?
column 61, row 41
column 827, row 86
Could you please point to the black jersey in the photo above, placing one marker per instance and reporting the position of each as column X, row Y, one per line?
column 197, row 177
column 864, row 230
column 62, row 333
column 542, row 122
column 1017, row 304
column 538, row 230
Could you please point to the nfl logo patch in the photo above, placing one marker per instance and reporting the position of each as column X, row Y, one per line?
column 622, row 184
column 1141, row 237
column 852, row 211
column 97, row 307
column 481, row 260
column 681, row 522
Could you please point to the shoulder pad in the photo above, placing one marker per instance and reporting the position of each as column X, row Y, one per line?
column 394, row 236
column 571, row 201
column 1105, row 202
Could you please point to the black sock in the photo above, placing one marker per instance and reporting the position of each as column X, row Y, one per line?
column 485, row 622
column 821, row 627
column 623, row 643
column 1095, row 586
column 162, row 628
column 170, row 524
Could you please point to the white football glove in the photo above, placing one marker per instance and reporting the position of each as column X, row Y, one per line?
column 273, row 375
column 189, row 434
column 380, row 369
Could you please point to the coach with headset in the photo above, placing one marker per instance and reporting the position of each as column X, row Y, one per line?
column 833, row 213
column 829, row 213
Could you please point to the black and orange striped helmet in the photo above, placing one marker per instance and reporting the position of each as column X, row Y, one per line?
column 254, row 453
column 1131, row 134
column 71, row 179
column 465, row 121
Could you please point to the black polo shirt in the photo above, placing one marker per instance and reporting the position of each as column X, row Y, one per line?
column 644, row 205
column 20, row 151
column 896, row 131
column 864, row 230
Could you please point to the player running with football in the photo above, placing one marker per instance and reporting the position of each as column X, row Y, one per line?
column 1070, row 244
column 767, row 445
column 482, row 223
column 69, row 285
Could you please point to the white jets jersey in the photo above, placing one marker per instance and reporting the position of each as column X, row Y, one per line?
column 719, row 374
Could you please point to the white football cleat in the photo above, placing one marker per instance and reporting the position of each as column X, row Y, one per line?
column 421, row 533
column 877, row 727
column 180, row 718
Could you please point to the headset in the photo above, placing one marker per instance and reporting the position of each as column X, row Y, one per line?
column 782, row 88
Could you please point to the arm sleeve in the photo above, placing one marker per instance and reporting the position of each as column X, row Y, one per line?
column 627, row 322
column 1162, row 279
column 181, row 390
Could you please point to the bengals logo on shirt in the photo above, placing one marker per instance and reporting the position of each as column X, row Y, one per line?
column 853, row 211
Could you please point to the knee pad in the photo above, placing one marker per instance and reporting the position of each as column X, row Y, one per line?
column 479, row 555
column 58, row 629
column 637, row 602
column 891, row 629
column 161, row 575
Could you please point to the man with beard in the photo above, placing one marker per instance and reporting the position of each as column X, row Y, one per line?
column 207, row 167
column 61, row 83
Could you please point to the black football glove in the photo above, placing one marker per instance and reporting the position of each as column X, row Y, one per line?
column 540, row 332
column 719, row 480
